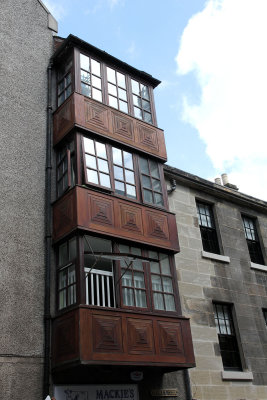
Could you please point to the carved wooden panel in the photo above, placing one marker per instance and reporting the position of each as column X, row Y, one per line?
column 140, row 336
column 104, row 120
column 170, row 336
column 102, row 210
column 122, row 126
column 148, row 137
column 107, row 334
column 130, row 218
column 64, row 214
column 65, row 337
column 118, row 337
column 96, row 116
column 157, row 225
column 64, row 118
column 82, row 208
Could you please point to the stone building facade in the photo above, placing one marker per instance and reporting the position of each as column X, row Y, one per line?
column 227, row 282
column 26, row 33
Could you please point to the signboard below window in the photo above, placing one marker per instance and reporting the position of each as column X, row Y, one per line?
column 96, row 392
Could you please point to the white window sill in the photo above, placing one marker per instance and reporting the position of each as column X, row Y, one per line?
column 258, row 266
column 217, row 257
column 237, row 376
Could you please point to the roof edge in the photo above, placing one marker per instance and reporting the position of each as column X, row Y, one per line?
column 74, row 40
column 213, row 188
column 52, row 23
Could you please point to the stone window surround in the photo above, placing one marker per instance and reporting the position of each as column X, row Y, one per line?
column 237, row 376
column 216, row 257
column 258, row 266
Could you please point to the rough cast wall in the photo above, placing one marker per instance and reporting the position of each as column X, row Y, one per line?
column 203, row 280
column 26, row 46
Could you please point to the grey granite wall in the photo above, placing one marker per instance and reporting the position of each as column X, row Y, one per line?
column 26, row 46
column 203, row 279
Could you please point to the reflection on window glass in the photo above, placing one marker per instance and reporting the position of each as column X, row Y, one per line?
column 97, row 168
column 150, row 178
column 117, row 95
column 91, row 80
column 141, row 101
column 124, row 173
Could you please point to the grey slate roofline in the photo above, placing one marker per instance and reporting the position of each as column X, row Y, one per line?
column 74, row 40
column 204, row 185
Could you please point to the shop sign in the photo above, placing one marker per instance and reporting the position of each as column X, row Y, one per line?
column 96, row 392
column 164, row 393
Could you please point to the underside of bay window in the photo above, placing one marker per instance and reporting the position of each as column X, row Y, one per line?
column 115, row 275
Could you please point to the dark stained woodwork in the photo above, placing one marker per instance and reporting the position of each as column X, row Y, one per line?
column 106, row 214
column 81, row 111
column 94, row 336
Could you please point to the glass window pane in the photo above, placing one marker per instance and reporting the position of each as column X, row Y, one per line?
column 96, row 94
column 111, row 75
column 63, row 278
column 167, row 285
column 129, row 176
column 144, row 165
column 146, row 105
column 117, row 158
column 86, row 90
column 124, row 248
column 68, row 92
column 72, row 248
column 164, row 263
column 154, row 266
column 137, row 101
column 68, row 79
column 137, row 113
column 131, row 192
column 113, row 102
column 62, row 299
column 95, row 244
column 156, row 185
column 71, row 275
column 65, row 181
column 135, row 87
column 63, row 256
column 61, row 98
column 61, row 86
column 95, row 67
column 121, row 79
column 146, row 182
column 139, row 281
column 84, row 60
column 154, row 169
column 90, row 161
column 140, row 297
column 122, row 94
column 126, row 278
column 89, row 146
column 158, row 301
column 112, row 89
column 104, row 180
column 96, row 82
column 128, row 160
column 128, row 297
column 85, row 77
column 119, row 187
column 169, row 302
column 103, row 166
column 101, row 150
column 147, row 117
column 118, row 173
column 158, row 199
column 156, row 283
column 148, row 196
column 92, row 176
column 123, row 106
column 153, row 254
column 144, row 92
column 71, row 295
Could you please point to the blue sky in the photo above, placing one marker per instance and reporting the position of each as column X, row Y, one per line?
column 209, row 57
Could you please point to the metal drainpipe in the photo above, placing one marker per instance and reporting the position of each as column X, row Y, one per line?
column 187, row 385
column 48, row 237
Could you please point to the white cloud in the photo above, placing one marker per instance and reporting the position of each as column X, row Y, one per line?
column 56, row 9
column 225, row 47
